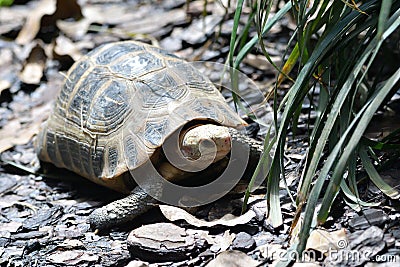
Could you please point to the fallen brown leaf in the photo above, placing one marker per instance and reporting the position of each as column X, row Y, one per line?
column 174, row 214
column 65, row 51
column 324, row 241
column 8, row 67
column 146, row 24
column 4, row 84
column 12, row 18
column 17, row 133
column 104, row 15
column 71, row 257
column 46, row 14
column 261, row 63
column 29, row 114
column 32, row 70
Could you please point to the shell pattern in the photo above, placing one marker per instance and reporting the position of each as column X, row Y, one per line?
column 117, row 106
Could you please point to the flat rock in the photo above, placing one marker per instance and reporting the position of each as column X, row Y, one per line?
column 7, row 182
column 171, row 44
column 5, row 238
column 371, row 236
column 243, row 241
column 163, row 242
column 11, row 226
column 43, row 217
column 200, row 29
column 368, row 218
column 30, row 235
column 366, row 244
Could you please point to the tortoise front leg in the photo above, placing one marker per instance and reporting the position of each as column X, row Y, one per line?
column 122, row 210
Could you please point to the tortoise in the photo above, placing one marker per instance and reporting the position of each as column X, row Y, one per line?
column 117, row 107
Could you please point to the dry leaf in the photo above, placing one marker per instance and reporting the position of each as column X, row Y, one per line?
column 71, row 257
column 324, row 241
column 32, row 71
column 126, row 22
column 4, row 84
column 8, row 67
column 6, row 56
column 114, row 14
column 74, row 29
column 46, row 14
column 99, row 14
column 71, row 244
column 261, row 63
column 12, row 18
column 146, row 24
column 174, row 214
column 12, row 227
column 77, row 29
column 16, row 133
column 161, row 236
column 64, row 51
column 28, row 116
column 196, row 8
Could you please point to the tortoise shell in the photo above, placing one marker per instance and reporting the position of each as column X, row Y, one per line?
column 117, row 106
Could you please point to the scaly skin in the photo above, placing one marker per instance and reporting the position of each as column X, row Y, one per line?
column 256, row 147
column 122, row 210
column 138, row 202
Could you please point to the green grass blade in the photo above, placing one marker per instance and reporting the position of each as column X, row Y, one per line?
column 246, row 49
column 262, row 168
column 352, row 179
column 261, row 20
column 274, row 212
column 383, row 145
column 295, row 97
column 360, row 129
column 320, row 140
column 236, row 21
column 314, row 195
column 376, row 178
column 331, row 39
column 289, row 64
column 356, row 202
column 335, row 181
column 383, row 16
column 6, row 2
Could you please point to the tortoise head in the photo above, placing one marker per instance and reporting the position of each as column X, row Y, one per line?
column 206, row 142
